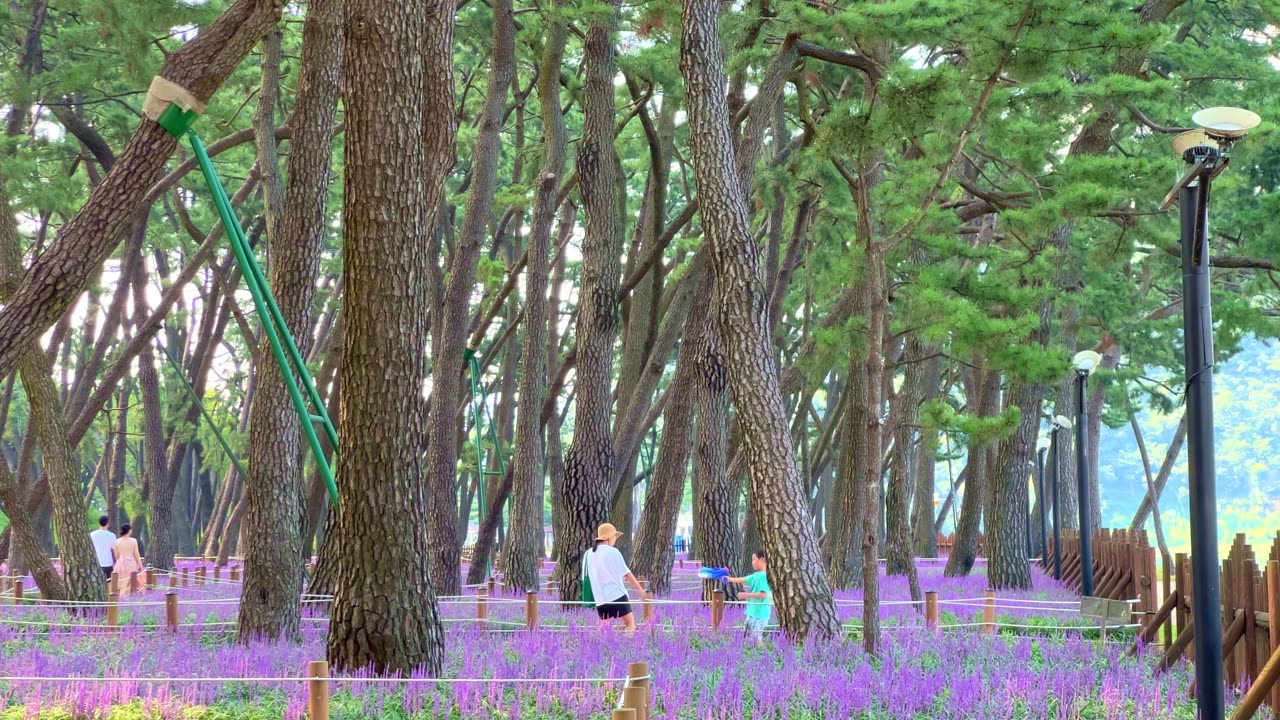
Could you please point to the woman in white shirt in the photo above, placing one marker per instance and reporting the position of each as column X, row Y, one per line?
column 607, row 572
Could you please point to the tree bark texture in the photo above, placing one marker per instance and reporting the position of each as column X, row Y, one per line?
column 269, row 600
column 524, row 538
column 803, row 596
column 385, row 618
column 589, row 463
column 448, row 363
column 1007, row 499
column 721, row 544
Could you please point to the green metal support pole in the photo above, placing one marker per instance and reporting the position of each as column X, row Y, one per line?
column 272, row 320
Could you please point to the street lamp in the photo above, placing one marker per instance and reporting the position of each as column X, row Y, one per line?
column 1207, row 152
column 1043, row 502
column 1060, row 423
column 1085, row 362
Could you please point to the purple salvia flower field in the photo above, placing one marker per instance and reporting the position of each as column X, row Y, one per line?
column 569, row 669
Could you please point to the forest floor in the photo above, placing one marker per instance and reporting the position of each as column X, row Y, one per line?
column 1043, row 663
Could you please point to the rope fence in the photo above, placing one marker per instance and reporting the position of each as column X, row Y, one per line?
column 634, row 698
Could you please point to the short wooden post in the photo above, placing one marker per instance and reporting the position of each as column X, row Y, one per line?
column 201, row 575
column 633, row 699
column 114, row 586
column 173, row 580
column 989, row 613
column 318, row 690
column 931, row 609
column 235, row 573
column 681, row 563
column 134, row 585
column 482, row 605
column 717, row 609
column 624, row 714
column 186, row 577
column 17, row 591
column 646, row 613
column 638, row 674
column 113, row 611
column 531, row 610
column 171, row 610
column 492, row 585
column 1273, row 612
column 151, row 579
column 217, row 573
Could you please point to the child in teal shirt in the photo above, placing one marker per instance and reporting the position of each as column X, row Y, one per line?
column 758, row 595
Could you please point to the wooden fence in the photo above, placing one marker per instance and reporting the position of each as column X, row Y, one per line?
column 1125, row 569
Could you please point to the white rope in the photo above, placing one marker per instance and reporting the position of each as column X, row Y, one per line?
column 338, row 679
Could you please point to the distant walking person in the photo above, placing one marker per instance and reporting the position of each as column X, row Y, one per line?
column 759, row 596
column 606, row 571
column 103, row 539
column 128, row 560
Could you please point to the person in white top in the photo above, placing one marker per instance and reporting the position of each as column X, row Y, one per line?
column 607, row 571
column 103, row 539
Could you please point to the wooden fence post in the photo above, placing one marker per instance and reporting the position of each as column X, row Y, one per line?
column 235, row 573
column 113, row 611
column 647, row 613
column 493, row 585
column 717, row 609
column 318, row 690
column 989, row 613
column 186, row 577
column 173, row 580
column 482, row 605
column 931, row 609
column 171, row 610
column 17, row 591
column 217, row 573
column 624, row 714
column 1273, row 611
column 638, row 674
column 201, row 575
column 531, row 610
column 134, row 585
column 151, row 579
column 114, row 585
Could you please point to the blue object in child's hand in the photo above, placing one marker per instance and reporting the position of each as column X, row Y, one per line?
column 708, row 573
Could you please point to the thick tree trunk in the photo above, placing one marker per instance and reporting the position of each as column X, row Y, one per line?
column 269, row 600
column 1007, row 500
column 398, row 95
column 718, row 503
column 524, row 539
column 803, row 596
column 924, row 539
column 589, row 463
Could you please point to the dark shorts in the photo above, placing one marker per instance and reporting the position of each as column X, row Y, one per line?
column 614, row 610
column 108, row 571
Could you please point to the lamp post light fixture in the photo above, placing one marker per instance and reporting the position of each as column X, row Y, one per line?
column 1042, row 500
column 1207, row 152
column 1060, row 423
column 1085, row 362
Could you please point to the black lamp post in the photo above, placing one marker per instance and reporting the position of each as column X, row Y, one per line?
column 1043, row 501
column 1060, row 423
column 1085, row 362
column 1207, row 153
